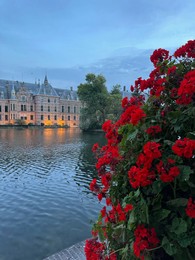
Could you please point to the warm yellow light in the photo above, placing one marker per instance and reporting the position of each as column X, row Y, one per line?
column 47, row 122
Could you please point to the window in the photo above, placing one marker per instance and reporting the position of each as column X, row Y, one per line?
column 31, row 117
column 42, row 118
column 22, row 107
column 6, row 108
column 48, row 108
column 23, row 98
column 48, row 117
column 0, row 108
column 31, row 108
column 14, row 116
column 68, row 118
column 74, row 117
column 62, row 117
column 54, row 100
column 0, row 118
column 55, row 117
column 75, row 109
column 11, row 107
column 68, row 109
column 48, row 100
column 55, row 109
column 62, row 109
column 42, row 108
column 6, row 117
column 14, row 107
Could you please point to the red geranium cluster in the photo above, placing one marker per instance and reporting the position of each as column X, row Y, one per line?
column 186, row 91
column 144, row 175
column 94, row 249
column 190, row 210
column 184, row 147
column 167, row 171
column 145, row 238
column 187, row 50
column 153, row 130
column 116, row 214
column 159, row 56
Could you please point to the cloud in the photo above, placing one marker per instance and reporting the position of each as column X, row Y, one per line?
column 122, row 68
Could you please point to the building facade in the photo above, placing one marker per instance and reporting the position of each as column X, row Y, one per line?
column 38, row 104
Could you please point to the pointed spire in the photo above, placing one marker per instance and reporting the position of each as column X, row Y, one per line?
column 45, row 80
column 13, row 92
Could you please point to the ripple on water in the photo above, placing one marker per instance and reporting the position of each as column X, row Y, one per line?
column 44, row 195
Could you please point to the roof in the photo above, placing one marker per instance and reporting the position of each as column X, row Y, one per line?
column 7, row 86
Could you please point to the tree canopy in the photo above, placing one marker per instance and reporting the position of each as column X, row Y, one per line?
column 98, row 103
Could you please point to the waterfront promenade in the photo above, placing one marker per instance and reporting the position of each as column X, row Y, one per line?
column 75, row 252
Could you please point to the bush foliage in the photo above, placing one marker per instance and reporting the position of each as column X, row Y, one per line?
column 146, row 169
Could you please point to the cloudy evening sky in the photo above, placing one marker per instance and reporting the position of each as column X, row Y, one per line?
column 69, row 38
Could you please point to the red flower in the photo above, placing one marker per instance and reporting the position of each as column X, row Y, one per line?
column 108, row 201
column 153, row 130
column 93, row 249
column 125, row 102
column 140, row 177
column 151, row 150
column 112, row 256
column 95, row 147
column 185, row 147
column 171, row 70
column 100, row 196
column 167, row 173
column 159, row 55
column 93, row 185
column 107, row 125
column 128, row 208
column 190, row 210
column 187, row 89
column 145, row 238
column 103, row 212
column 187, row 50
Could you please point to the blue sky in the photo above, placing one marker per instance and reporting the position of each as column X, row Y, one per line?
column 69, row 38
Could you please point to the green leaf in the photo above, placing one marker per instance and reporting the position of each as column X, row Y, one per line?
column 180, row 202
column 132, row 135
column 169, row 247
column 161, row 214
column 185, row 240
column 132, row 220
column 185, row 173
column 157, row 186
column 191, row 135
column 179, row 226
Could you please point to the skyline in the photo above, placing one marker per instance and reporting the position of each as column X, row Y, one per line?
column 66, row 39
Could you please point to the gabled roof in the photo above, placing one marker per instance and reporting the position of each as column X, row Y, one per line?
column 6, row 87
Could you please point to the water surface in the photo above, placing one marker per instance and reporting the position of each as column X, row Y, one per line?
column 45, row 202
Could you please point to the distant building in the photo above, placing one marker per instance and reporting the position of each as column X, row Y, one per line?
column 38, row 104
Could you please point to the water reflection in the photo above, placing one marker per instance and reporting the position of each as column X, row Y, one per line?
column 44, row 195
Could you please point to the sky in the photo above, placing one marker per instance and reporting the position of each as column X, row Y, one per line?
column 66, row 39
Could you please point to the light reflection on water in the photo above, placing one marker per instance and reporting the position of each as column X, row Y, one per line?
column 45, row 203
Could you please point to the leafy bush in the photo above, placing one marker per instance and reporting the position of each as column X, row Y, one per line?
column 146, row 169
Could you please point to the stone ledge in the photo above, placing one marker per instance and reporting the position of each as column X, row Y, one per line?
column 75, row 252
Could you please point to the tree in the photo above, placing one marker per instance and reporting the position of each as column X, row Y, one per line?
column 115, row 97
column 94, row 97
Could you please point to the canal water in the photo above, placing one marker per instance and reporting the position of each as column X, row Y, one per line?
column 45, row 201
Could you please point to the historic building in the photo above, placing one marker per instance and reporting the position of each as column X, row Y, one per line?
column 38, row 104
